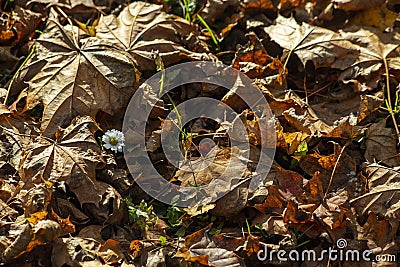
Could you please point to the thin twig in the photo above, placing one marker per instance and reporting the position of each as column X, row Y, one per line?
column 334, row 170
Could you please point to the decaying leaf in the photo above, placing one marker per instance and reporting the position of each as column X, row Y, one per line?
column 18, row 25
column 380, row 235
column 73, row 250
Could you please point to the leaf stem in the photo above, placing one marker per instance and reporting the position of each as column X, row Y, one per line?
column 396, row 127
column 17, row 72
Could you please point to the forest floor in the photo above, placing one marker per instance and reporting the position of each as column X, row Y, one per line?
column 81, row 115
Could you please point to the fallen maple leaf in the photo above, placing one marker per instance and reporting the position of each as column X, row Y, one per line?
column 73, row 158
column 143, row 27
column 73, row 75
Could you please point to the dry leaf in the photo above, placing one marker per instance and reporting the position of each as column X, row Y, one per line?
column 143, row 27
column 73, row 158
column 371, row 51
column 380, row 145
column 383, row 197
column 320, row 45
column 72, row 76
column 209, row 250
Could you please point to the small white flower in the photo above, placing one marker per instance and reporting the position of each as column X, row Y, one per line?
column 114, row 140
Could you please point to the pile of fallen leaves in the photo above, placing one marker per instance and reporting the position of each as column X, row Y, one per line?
column 329, row 69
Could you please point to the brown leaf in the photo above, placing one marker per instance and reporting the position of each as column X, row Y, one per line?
column 37, row 216
column 18, row 25
column 66, row 209
column 368, row 105
column 307, row 122
column 103, row 205
column 70, row 4
column 210, row 250
column 73, row 77
column 111, row 252
column 289, row 141
column 232, row 203
column 346, row 128
column 320, row 45
column 30, row 236
column 34, row 197
column 380, row 145
column 276, row 201
column 371, row 49
column 259, row 4
column 252, row 59
column 314, row 188
column 380, row 232
column 15, row 134
column 312, row 163
column 74, row 251
column 377, row 15
column 273, row 224
column 142, row 27
column 73, row 157
column 383, row 197
column 221, row 174
column 335, row 211
column 290, row 182
column 356, row 4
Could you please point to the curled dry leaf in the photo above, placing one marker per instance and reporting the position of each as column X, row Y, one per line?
column 252, row 59
column 66, row 209
column 30, row 235
column 34, row 197
column 72, row 75
column 110, row 209
column 18, row 25
column 307, row 122
column 380, row 234
column 335, row 211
